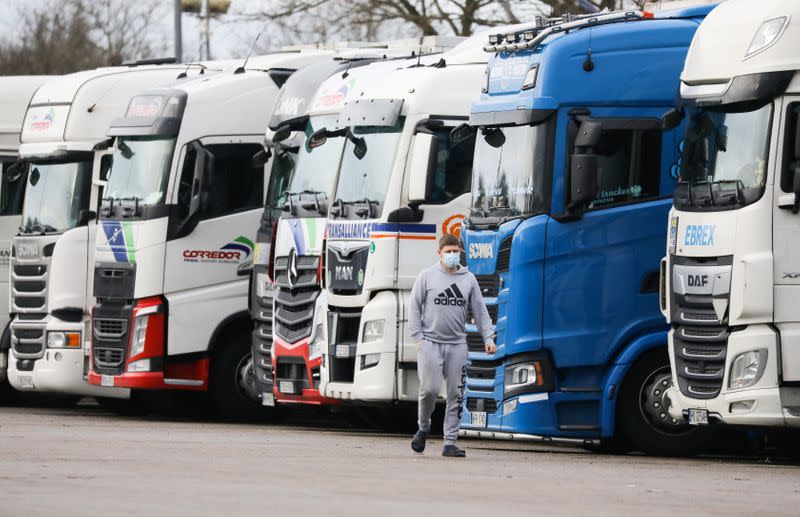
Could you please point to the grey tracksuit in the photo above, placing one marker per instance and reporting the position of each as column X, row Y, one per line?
column 438, row 312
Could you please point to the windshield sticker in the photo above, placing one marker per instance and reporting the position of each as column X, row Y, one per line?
column 145, row 106
column 452, row 225
column 608, row 196
column 371, row 230
column 232, row 252
column 120, row 239
column 42, row 122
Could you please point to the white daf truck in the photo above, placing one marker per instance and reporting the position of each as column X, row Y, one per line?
column 15, row 95
column 731, row 278
column 65, row 148
column 175, row 237
column 404, row 182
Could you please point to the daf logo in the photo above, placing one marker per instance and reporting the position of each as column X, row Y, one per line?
column 292, row 272
column 481, row 250
column 697, row 280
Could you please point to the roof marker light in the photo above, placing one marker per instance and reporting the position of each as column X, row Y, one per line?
column 767, row 35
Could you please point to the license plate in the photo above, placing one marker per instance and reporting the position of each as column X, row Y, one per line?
column 267, row 399
column 342, row 351
column 698, row 416
column 25, row 381
column 106, row 380
column 286, row 387
column 479, row 418
column 27, row 249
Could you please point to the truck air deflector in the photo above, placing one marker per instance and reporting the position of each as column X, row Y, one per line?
column 154, row 113
column 741, row 89
column 370, row 112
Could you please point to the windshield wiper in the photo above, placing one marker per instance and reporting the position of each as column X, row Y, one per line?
column 366, row 211
column 40, row 228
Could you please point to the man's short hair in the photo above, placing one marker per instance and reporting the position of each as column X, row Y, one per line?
column 449, row 240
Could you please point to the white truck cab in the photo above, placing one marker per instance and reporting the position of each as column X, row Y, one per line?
column 404, row 182
column 16, row 95
column 731, row 277
column 65, row 147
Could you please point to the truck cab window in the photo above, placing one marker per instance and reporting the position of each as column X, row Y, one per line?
column 187, row 178
column 234, row 185
column 629, row 164
column 280, row 174
column 791, row 148
column 452, row 173
column 12, row 187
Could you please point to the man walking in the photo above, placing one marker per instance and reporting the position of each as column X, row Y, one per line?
column 440, row 300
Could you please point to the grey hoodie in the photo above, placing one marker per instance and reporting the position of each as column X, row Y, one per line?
column 439, row 302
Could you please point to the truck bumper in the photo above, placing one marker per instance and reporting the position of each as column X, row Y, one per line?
column 191, row 376
column 59, row 371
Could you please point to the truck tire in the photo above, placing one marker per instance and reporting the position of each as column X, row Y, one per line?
column 642, row 419
column 227, row 386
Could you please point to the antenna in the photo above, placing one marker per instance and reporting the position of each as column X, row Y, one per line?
column 183, row 74
column 240, row 70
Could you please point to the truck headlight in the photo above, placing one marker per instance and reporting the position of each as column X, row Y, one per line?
column 767, row 35
column 369, row 360
column 139, row 335
column 521, row 375
column 315, row 347
column 142, row 365
column 373, row 331
column 63, row 340
column 747, row 369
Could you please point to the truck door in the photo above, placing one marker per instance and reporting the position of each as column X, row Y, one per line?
column 202, row 277
column 601, row 270
column 445, row 206
column 786, row 237
column 12, row 191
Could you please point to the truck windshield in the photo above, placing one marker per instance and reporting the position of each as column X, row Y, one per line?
column 140, row 169
column 724, row 158
column 511, row 179
column 364, row 181
column 316, row 169
column 55, row 194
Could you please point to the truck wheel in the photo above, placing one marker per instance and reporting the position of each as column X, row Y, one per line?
column 642, row 416
column 228, row 388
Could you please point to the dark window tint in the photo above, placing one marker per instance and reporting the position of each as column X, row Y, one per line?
column 452, row 173
column 12, row 187
column 187, row 178
column 280, row 174
column 234, row 185
column 629, row 166
column 791, row 152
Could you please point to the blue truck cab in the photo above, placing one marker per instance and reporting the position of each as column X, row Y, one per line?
column 572, row 182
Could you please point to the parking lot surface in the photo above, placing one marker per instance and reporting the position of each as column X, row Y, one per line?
column 87, row 461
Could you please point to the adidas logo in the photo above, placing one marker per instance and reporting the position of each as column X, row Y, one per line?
column 450, row 296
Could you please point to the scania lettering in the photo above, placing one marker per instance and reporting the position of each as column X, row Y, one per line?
column 175, row 235
column 571, row 173
column 16, row 95
column 730, row 279
column 65, row 147
column 299, row 235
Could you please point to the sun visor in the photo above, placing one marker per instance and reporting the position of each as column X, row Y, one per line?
column 156, row 113
column 370, row 112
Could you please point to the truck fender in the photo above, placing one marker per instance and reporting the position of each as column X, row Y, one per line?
column 619, row 370
column 236, row 321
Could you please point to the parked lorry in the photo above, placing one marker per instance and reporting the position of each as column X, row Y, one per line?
column 16, row 95
column 571, row 182
column 174, row 240
column 404, row 182
column 732, row 271
column 66, row 151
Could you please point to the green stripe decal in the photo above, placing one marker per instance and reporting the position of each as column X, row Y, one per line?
column 127, row 232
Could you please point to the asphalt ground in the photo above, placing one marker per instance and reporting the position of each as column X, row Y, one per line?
column 88, row 461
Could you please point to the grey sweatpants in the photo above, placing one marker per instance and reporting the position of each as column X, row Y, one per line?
column 434, row 361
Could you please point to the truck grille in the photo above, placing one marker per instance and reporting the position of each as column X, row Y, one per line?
column 489, row 285
column 29, row 287
column 343, row 326
column 294, row 313
column 482, row 370
column 110, row 324
column 492, row 309
column 481, row 404
column 504, row 255
column 475, row 342
column 700, row 338
column 28, row 343
column 262, row 343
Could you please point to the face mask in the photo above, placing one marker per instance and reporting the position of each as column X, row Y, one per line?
column 451, row 259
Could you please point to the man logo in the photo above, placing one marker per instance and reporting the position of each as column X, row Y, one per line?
column 450, row 296
column 481, row 250
column 343, row 273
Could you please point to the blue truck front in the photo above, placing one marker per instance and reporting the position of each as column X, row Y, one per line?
column 572, row 183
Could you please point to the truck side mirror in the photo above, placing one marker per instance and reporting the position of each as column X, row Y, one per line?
column 261, row 158
column 672, row 119
column 318, row 138
column 106, row 161
column 461, row 133
column 423, row 151
column 282, row 133
column 203, row 164
column 86, row 216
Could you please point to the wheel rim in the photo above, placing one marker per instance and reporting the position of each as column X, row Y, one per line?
column 654, row 403
column 244, row 381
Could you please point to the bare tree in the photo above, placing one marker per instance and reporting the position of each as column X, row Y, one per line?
column 71, row 35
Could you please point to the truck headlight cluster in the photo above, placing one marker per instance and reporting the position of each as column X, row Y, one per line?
column 373, row 331
column 521, row 375
column 747, row 369
column 63, row 340
column 315, row 347
column 139, row 335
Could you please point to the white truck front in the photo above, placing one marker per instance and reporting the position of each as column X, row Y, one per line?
column 14, row 99
column 404, row 182
column 65, row 146
column 731, row 278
